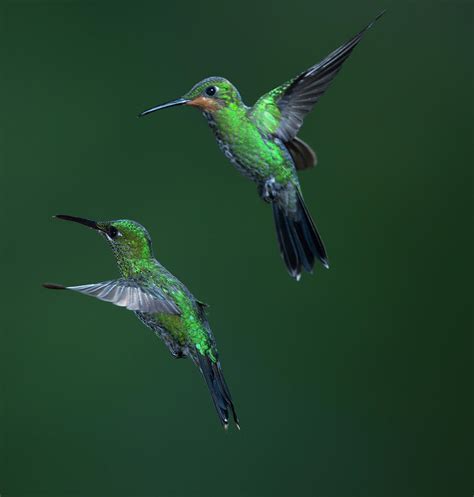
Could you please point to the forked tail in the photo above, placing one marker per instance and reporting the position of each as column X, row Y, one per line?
column 299, row 240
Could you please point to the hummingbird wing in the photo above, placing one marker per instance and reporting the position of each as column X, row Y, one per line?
column 126, row 293
column 281, row 111
column 303, row 155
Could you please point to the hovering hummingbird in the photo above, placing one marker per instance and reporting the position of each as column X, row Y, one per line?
column 160, row 301
column 262, row 143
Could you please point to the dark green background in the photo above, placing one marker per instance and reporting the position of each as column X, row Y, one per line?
column 355, row 381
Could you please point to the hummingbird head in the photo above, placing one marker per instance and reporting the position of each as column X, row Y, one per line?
column 129, row 240
column 210, row 95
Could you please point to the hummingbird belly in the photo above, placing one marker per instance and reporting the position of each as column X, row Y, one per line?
column 251, row 154
column 176, row 348
column 184, row 331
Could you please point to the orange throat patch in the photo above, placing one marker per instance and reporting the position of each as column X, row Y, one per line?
column 204, row 103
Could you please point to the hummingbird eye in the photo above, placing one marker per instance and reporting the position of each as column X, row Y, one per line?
column 113, row 232
column 210, row 91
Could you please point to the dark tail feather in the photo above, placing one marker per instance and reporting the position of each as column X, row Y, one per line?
column 298, row 238
column 215, row 381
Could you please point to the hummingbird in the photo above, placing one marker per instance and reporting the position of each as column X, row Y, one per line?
column 160, row 301
column 262, row 143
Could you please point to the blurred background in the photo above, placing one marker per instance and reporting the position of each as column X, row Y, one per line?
column 353, row 382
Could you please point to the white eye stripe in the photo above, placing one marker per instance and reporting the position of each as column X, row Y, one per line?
column 112, row 239
column 113, row 232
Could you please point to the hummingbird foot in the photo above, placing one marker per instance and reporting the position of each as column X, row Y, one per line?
column 178, row 354
column 268, row 190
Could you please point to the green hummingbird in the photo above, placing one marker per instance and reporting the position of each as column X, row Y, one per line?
column 262, row 143
column 160, row 301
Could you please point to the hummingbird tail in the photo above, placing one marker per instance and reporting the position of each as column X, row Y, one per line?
column 215, row 381
column 298, row 238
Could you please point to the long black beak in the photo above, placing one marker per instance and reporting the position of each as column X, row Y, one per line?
column 173, row 103
column 80, row 220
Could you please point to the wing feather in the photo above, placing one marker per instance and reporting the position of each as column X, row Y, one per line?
column 130, row 294
column 281, row 111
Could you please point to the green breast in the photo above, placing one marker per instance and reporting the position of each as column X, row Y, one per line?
column 243, row 144
column 187, row 329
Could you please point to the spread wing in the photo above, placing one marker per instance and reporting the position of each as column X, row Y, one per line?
column 126, row 293
column 281, row 111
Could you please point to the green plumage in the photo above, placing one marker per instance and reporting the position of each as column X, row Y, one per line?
column 161, row 302
column 262, row 143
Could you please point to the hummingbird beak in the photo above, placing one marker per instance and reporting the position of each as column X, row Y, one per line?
column 86, row 222
column 173, row 103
